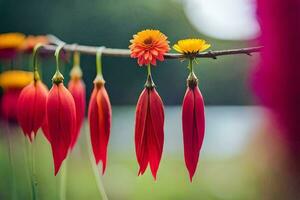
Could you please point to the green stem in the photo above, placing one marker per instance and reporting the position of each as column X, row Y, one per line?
column 34, row 180
column 58, row 77
column 36, row 75
column 95, row 169
column 76, row 58
column 30, row 149
column 12, row 168
column 63, row 181
column 149, row 69
column 99, row 61
column 191, row 65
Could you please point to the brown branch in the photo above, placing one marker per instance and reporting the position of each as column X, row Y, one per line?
column 91, row 50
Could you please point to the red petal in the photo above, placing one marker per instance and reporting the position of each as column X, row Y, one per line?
column 193, row 127
column 77, row 89
column 100, row 124
column 156, row 136
column 140, row 123
column 61, row 115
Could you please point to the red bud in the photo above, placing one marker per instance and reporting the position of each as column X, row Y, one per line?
column 149, row 130
column 193, row 125
column 100, row 123
column 77, row 89
column 32, row 108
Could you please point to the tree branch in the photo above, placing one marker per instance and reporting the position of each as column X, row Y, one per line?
column 91, row 50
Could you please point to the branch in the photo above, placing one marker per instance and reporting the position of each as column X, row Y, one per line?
column 91, row 50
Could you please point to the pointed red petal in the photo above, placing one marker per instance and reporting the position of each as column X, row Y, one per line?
column 193, row 128
column 77, row 89
column 93, row 122
column 156, row 132
column 140, row 126
column 25, row 107
column 61, row 115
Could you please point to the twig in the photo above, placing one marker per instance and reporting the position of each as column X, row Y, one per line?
column 92, row 50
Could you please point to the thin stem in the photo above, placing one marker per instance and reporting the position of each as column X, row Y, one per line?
column 58, row 77
column 95, row 169
column 190, row 66
column 30, row 151
column 12, row 168
column 76, row 59
column 99, row 60
column 56, row 54
column 33, row 174
column 35, row 62
column 149, row 69
column 63, row 181
column 26, row 157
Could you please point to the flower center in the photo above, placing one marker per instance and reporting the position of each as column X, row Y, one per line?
column 148, row 41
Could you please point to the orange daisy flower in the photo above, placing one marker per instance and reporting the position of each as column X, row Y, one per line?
column 148, row 46
column 31, row 41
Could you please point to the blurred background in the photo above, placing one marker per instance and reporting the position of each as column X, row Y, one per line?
column 233, row 162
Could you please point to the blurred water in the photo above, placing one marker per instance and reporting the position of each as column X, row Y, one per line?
column 228, row 128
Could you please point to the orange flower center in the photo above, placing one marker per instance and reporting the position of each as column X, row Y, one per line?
column 148, row 41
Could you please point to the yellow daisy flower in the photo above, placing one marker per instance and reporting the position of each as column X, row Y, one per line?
column 191, row 46
column 15, row 79
column 11, row 40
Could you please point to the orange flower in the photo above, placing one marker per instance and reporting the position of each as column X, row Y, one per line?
column 11, row 40
column 31, row 41
column 149, row 45
column 10, row 43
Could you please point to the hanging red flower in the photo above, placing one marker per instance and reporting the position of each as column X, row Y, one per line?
column 32, row 108
column 77, row 88
column 193, row 117
column 100, row 122
column 61, row 117
column 99, row 116
column 149, row 130
column 193, row 126
column 147, row 46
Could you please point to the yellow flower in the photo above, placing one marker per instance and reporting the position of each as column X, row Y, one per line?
column 11, row 40
column 191, row 46
column 15, row 79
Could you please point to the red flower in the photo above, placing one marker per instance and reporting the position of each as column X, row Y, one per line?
column 193, row 125
column 8, row 104
column 99, row 115
column 276, row 80
column 149, row 130
column 77, row 89
column 61, row 117
column 32, row 108
column 12, row 83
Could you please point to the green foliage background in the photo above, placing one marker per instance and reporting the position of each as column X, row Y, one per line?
column 112, row 23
